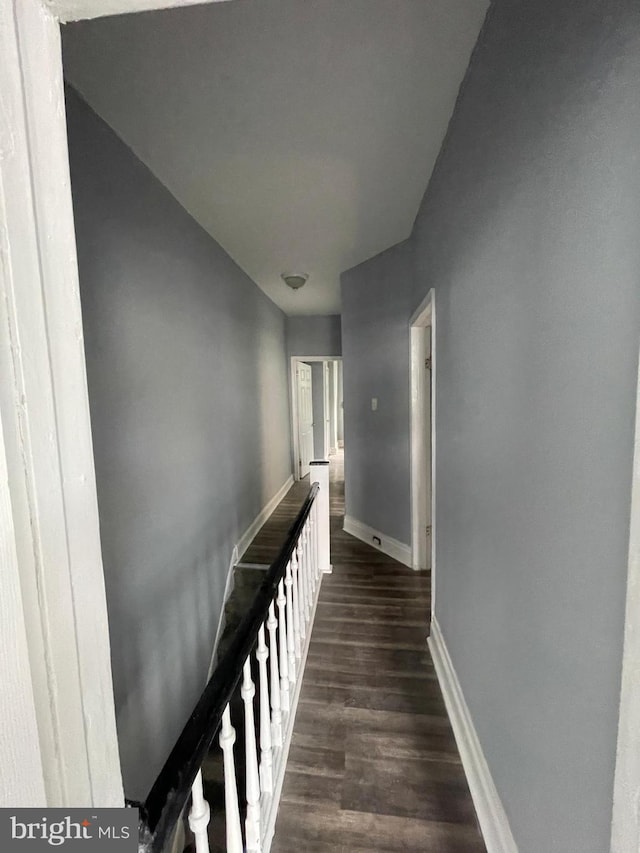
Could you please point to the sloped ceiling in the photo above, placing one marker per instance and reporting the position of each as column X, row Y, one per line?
column 300, row 134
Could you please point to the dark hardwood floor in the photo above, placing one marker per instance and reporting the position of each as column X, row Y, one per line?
column 373, row 764
column 268, row 541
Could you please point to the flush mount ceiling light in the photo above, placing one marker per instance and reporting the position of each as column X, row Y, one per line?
column 294, row 280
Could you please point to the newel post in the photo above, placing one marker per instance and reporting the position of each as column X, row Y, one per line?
column 320, row 475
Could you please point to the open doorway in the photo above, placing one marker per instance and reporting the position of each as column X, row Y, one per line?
column 316, row 410
column 422, row 341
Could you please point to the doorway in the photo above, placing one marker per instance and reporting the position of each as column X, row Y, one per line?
column 316, row 403
column 422, row 343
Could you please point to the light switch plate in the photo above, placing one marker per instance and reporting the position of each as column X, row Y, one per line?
column 374, row 404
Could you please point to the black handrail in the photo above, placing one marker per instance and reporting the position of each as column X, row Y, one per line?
column 161, row 810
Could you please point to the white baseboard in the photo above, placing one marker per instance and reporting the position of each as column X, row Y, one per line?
column 249, row 534
column 491, row 814
column 388, row 545
column 245, row 540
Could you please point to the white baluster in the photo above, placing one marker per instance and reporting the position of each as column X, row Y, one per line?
column 315, row 538
column 284, row 662
column 298, row 607
column 306, row 576
column 312, row 551
column 316, row 509
column 232, row 812
column 266, row 757
column 310, row 569
column 291, row 624
column 276, row 699
column 302, row 593
column 252, row 823
column 320, row 474
column 199, row 815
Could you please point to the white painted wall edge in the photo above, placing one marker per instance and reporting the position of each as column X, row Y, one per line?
column 76, row 10
column 47, row 430
column 238, row 550
column 491, row 814
column 22, row 778
column 625, row 826
column 388, row 545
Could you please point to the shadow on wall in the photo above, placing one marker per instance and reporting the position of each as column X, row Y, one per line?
column 188, row 389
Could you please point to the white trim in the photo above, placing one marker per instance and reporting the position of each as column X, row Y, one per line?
column 423, row 493
column 22, row 779
column 45, row 413
column 76, row 10
column 326, row 409
column 249, row 534
column 388, row 545
column 489, row 809
column 334, row 409
column 293, row 360
column 625, row 826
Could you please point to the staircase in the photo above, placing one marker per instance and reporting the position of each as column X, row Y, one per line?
column 226, row 769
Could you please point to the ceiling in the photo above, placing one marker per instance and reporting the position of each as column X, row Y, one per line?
column 300, row 134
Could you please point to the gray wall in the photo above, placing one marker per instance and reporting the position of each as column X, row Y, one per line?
column 316, row 335
column 186, row 363
column 529, row 233
column 376, row 304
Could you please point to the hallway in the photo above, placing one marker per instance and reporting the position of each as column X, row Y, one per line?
column 373, row 763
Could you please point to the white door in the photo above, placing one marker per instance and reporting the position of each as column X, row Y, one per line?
column 305, row 418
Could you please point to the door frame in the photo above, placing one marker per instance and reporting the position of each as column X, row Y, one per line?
column 298, row 460
column 326, row 409
column 295, row 444
column 422, row 492
column 49, row 522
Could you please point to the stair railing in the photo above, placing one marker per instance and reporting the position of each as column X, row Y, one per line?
column 275, row 634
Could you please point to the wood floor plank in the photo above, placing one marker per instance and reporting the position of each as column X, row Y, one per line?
column 349, row 675
column 351, row 831
column 373, row 763
column 413, row 787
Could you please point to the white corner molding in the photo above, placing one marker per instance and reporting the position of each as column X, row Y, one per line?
column 388, row 545
column 493, row 820
column 625, row 825
column 77, row 10
column 249, row 534
column 22, row 777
